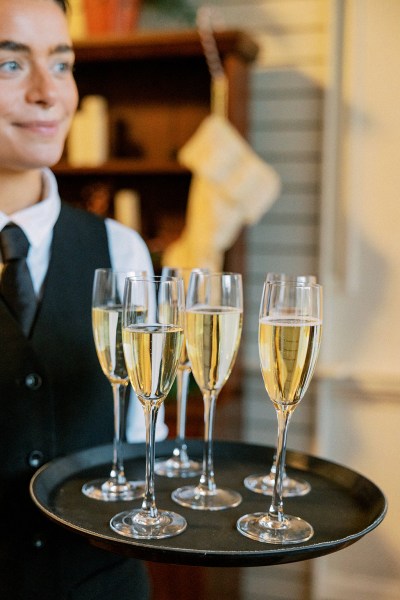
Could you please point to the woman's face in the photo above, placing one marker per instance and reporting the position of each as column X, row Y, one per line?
column 38, row 95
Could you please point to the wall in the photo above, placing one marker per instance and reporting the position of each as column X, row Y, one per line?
column 359, row 399
column 286, row 108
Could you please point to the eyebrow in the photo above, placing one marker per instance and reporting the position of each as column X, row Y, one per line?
column 19, row 47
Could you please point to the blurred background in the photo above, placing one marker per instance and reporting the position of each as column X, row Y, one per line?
column 323, row 110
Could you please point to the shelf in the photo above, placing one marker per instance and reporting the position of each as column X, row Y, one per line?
column 156, row 45
column 122, row 167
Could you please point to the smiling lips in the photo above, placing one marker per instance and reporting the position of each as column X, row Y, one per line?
column 43, row 128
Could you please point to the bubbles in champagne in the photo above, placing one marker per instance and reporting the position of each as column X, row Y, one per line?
column 213, row 336
column 288, row 353
column 152, row 354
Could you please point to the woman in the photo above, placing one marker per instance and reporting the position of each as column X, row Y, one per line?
column 54, row 397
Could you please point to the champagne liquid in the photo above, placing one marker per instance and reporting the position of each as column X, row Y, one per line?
column 152, row 355
column 167, row 314
column 213, row 337
column 288, row 353
column 184, row 359
column 107, row 331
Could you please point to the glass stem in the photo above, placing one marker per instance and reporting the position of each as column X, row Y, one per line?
column 182, row 383
column 117, row 469
column 276, row 508
column 207, row 482
column 272, row 472
column 149, row 500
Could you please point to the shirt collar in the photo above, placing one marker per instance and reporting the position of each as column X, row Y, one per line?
column 38, row 220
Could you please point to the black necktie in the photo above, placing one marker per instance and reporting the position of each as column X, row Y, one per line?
column 16, row 283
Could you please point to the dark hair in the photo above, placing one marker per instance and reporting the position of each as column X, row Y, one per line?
column 63, row 4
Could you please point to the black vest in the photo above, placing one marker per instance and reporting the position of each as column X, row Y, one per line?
column 54, row 400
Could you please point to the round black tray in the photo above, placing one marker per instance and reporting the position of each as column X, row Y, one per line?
column 342, row 506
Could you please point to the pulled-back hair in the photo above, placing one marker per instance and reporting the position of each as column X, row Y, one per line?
column 63, row 4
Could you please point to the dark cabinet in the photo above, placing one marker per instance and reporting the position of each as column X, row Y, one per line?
column 157, row 88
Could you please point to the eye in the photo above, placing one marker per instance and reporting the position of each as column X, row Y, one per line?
column 9, row 66
column 63, row 67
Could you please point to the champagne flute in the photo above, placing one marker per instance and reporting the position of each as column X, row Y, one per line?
column 179, row 464
column 108, row 288
column 289, row 338
column 264, row 483
column 213, row 320
column 152, row 334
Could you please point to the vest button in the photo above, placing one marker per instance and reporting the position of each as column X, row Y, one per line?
column 38, row 542
column 35, row 459
column 33, row 381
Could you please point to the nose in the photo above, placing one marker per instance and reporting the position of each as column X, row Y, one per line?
column 42, row 88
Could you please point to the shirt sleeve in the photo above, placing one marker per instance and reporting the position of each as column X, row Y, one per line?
column 135, row 424
column 127, row 249
column 128, row 252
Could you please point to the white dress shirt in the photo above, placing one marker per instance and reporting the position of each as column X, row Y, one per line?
column 128, row 252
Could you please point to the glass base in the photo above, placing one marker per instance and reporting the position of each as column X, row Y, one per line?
column 138, row 525
column 260, row 527
column 264, row 484
column 199, row 499
column 109, row 491
column 175, row 467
